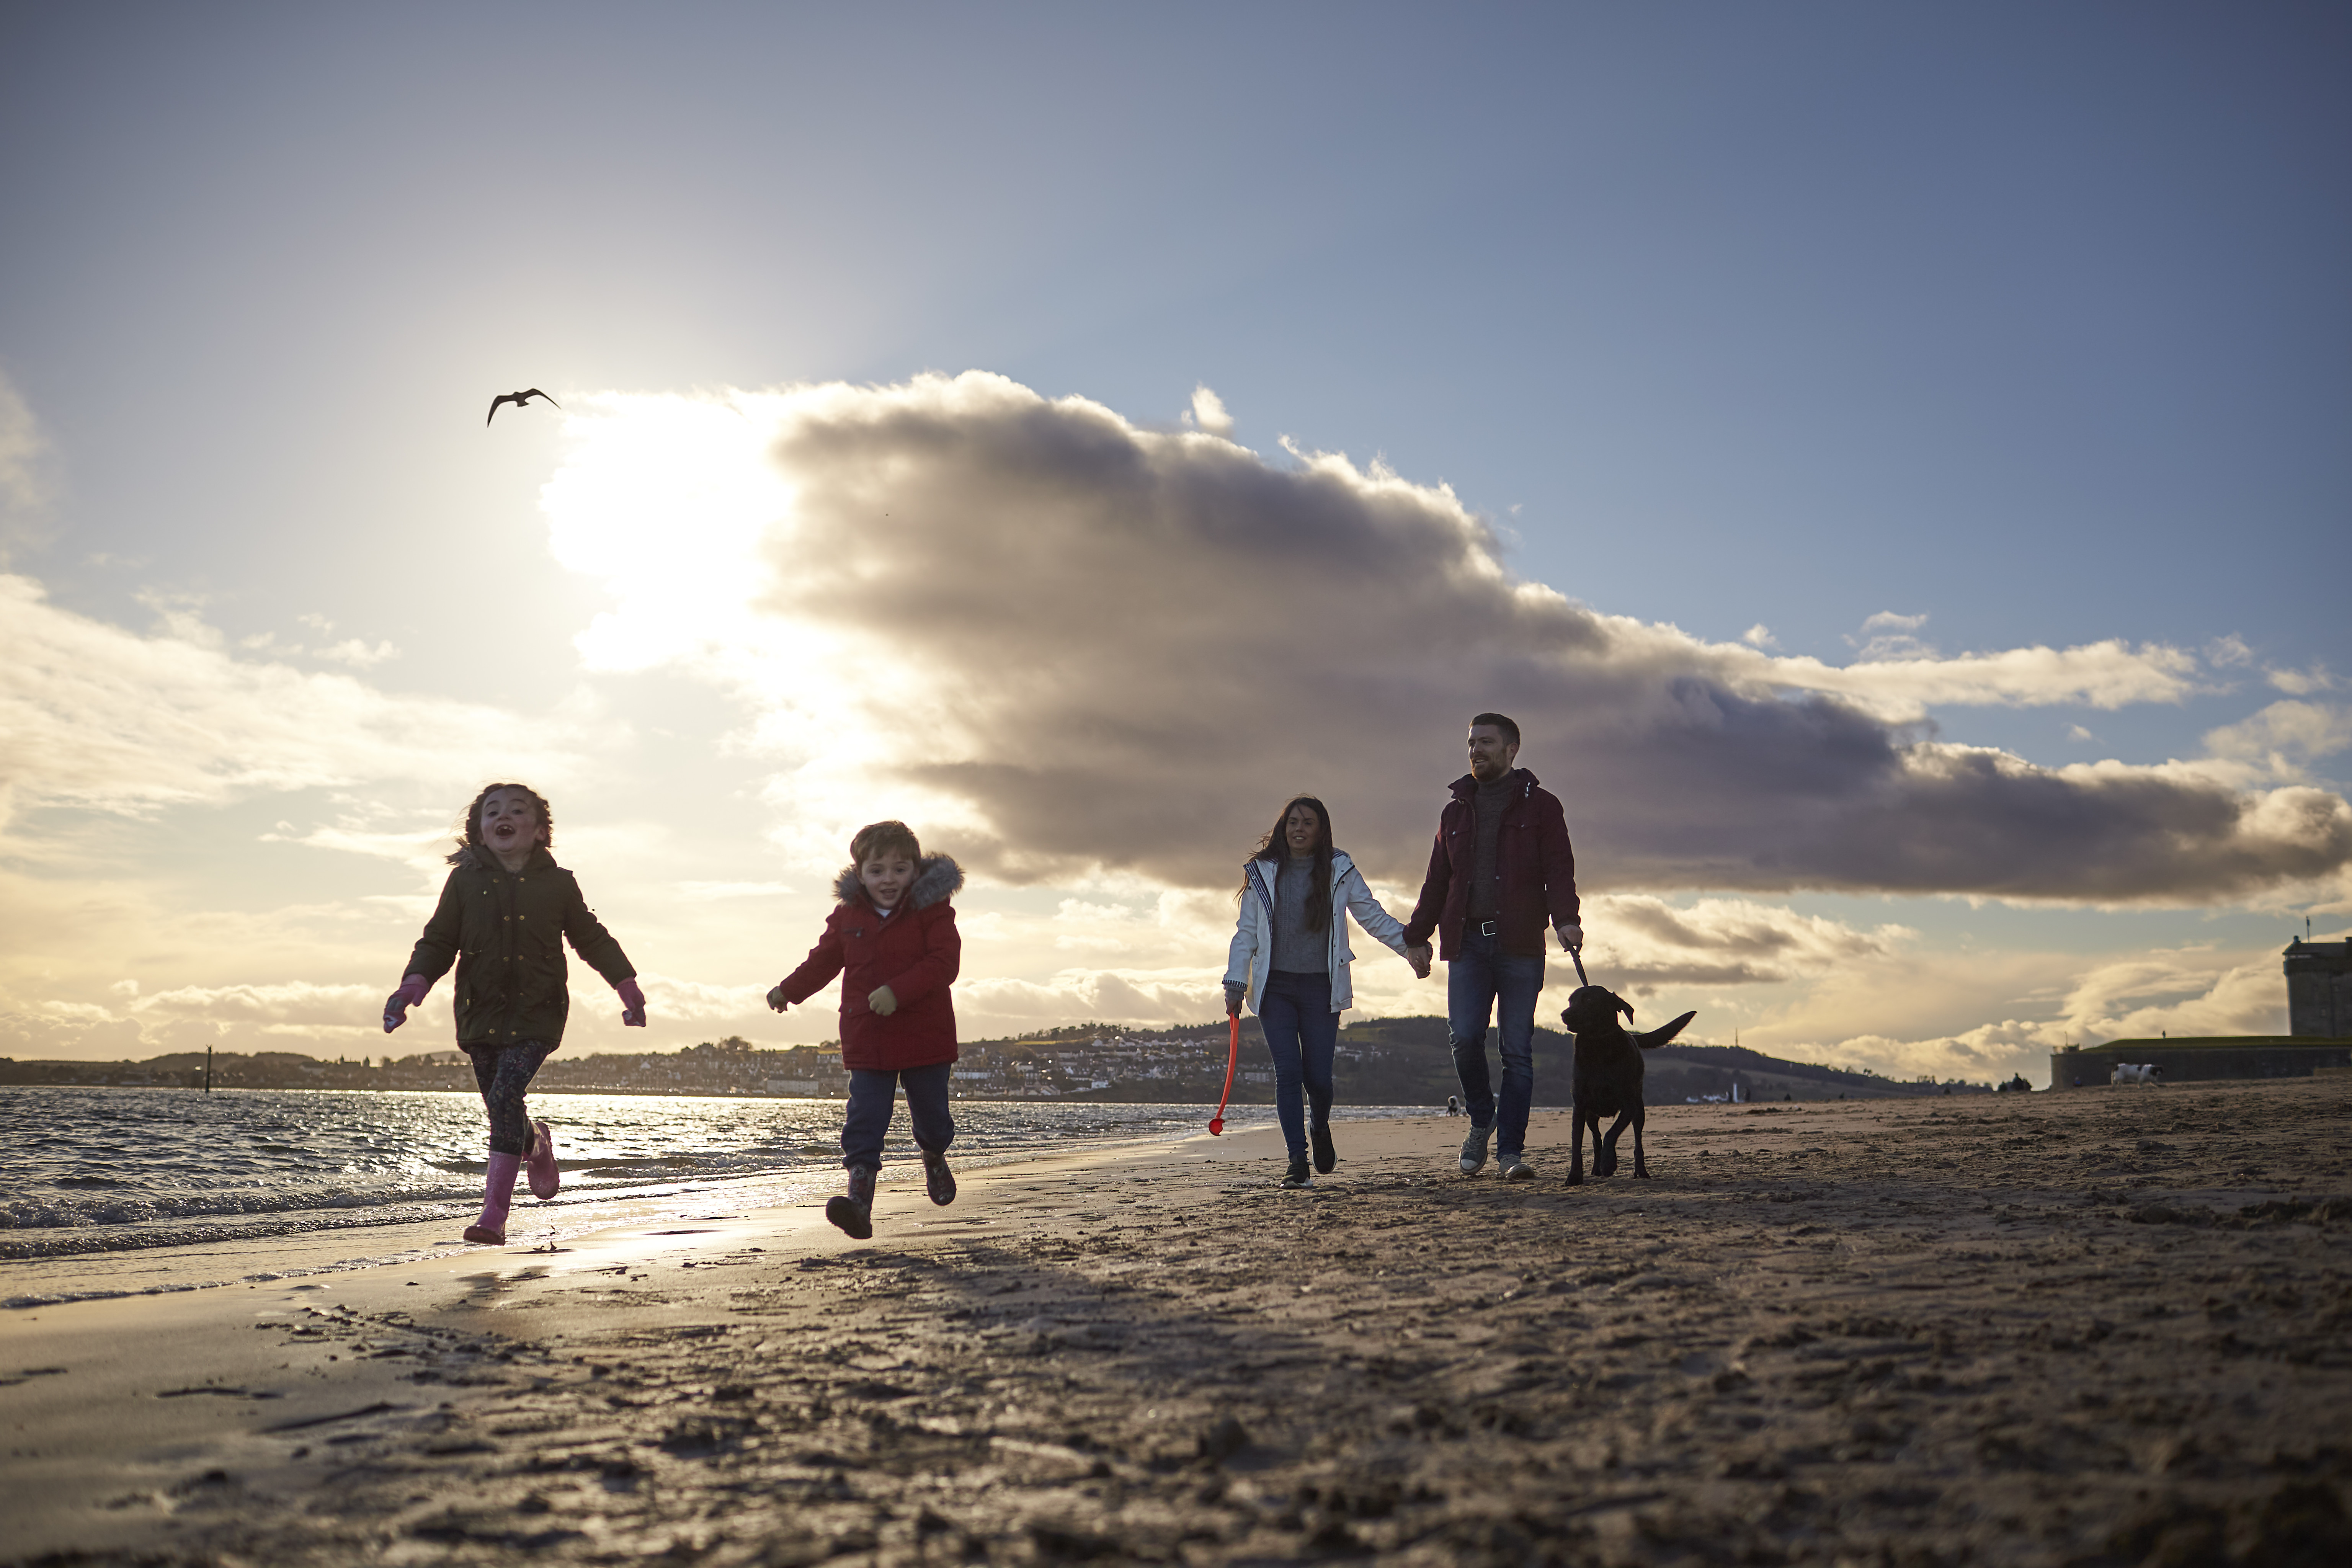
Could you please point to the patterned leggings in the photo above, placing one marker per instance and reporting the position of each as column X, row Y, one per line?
column 504, row 1073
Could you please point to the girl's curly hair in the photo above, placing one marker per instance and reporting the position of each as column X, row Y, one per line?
column 470, row 831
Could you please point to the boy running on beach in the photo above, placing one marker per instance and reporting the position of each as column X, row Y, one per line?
column 504, row 914
column 892, row 938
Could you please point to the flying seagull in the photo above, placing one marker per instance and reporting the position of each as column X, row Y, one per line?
column 517, row 398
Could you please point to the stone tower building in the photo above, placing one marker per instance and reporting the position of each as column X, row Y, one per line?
column 2319, row 989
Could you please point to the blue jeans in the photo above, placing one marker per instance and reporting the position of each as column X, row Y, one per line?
column 1481, row 975
column 871, row 1091
column 1302, row 1034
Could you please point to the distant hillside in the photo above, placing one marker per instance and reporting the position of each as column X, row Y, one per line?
column 1382, row 1061
column 1679, row 1071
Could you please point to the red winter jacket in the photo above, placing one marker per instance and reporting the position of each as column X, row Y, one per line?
column 1531, row 855
column 915, row 952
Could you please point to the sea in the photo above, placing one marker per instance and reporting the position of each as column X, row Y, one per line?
column 262, row 1183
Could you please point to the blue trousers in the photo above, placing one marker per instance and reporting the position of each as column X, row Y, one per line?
column 1302, row 1034
column 871, row 1091
column 1482, row 979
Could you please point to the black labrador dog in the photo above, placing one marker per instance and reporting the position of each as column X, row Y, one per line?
column 1609, row 1074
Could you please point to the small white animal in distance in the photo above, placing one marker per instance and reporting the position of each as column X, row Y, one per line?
column 2149, row 1073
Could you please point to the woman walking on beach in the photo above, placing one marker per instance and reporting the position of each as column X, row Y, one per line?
column 504, row 915
column 1289, row 961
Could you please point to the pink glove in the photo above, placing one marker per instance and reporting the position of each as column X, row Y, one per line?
column 633, row 1003
column 411, row 993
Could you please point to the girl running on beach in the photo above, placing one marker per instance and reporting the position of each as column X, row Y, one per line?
column 892, row 938
column 1290, row 961
column 504, row 914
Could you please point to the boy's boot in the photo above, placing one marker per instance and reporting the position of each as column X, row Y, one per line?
column 498, row 1196
column 546, row 1181
column 854, row 1211
column 938, row 1180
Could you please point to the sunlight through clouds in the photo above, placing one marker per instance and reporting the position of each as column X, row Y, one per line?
column 1066, row 643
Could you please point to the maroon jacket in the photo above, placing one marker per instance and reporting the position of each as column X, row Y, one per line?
column 915, row 952
column 1532, row 855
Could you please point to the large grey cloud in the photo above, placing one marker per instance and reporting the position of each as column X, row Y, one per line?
column 1127, row 647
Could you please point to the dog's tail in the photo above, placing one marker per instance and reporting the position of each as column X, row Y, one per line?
column 1650, row 1039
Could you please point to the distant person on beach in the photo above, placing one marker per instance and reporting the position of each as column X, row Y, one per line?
column 892, row 938
column 504, row 915
column 1500, row 870
column 1290, row 961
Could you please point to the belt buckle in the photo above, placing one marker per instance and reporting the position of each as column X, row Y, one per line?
column 1487, row 927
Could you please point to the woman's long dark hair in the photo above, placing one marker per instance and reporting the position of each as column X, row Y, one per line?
column 1275, row 848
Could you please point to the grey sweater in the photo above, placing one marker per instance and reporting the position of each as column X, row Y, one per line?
column 1296, row 948
column 1486, row 880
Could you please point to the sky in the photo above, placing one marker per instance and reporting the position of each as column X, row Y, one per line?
column 1890, row 462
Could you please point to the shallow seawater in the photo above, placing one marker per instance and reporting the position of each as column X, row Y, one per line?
column 99, row 1171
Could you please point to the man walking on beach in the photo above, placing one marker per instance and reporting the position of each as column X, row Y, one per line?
column 1500, row 870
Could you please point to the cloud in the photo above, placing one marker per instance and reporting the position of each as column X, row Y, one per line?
column 2285, row 737
column 1208, row 413
column 1066, row 641
column 1647, row 943
column 100, row 717
column 1760, row 636
column 2302, row 682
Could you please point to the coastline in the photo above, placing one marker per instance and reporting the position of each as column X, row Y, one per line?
column 2057, row 1330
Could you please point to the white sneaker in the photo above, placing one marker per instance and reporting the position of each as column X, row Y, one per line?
column 1474, row 1150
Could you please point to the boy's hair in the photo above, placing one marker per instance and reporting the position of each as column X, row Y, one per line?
column 1510, row 731
column 880, row 837
column 470, row 831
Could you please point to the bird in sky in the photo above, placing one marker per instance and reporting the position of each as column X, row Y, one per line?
column 517, row 398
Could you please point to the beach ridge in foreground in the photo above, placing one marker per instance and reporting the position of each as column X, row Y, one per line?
column 2080, row 1328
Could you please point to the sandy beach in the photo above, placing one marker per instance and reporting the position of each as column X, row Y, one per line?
column 2083, row 1328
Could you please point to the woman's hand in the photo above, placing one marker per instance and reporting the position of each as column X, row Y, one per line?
column 882, row 1001
column 632, row 1003
column 1419, row 958
column 776, row 1003
column 1233, row 998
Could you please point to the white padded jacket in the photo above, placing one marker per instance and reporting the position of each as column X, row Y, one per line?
column 1252, row 955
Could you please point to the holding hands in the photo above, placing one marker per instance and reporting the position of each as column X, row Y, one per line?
column 1420, row 957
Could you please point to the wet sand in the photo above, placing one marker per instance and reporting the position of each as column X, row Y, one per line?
column 2083, row 1328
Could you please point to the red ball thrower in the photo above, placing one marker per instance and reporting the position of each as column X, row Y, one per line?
column 1232, row 1056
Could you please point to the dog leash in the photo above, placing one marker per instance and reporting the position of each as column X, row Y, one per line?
column 1576, row 955
column 1232, row 1057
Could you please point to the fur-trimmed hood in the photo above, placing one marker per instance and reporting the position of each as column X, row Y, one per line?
column 937, row 879
column 468, row 858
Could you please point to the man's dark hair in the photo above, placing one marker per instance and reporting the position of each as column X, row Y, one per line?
column 1510, row 731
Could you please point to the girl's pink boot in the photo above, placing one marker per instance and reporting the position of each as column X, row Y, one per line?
column 546, row 1181
column 498, row 1196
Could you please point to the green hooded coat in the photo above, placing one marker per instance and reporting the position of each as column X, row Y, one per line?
column 505, row 931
